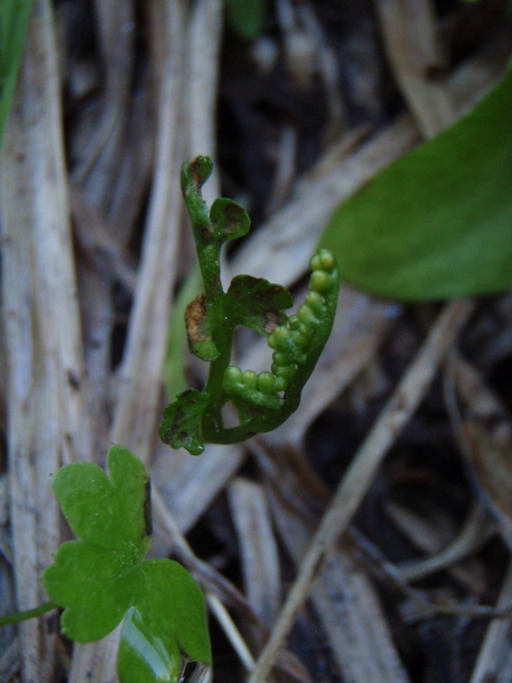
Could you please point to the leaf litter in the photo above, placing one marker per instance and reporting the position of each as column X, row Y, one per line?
column 146, row 86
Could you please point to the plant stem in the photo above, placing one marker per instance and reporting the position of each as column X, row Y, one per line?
column 27, row 614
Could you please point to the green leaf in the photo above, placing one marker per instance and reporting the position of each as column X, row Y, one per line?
column 92, row 584
column 142, row 657
column 111, row 512
column 181, row 426
column 200, row 169
column 438, row 222
column 14, row 16
column 230, row 220
column 91, row 577
column 169, row 603
column 103, row 578
column 256, row 303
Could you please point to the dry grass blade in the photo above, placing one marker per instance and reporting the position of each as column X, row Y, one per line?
column 411, row 41
column 141, row 376
column 475, row 532
column 139, row 398
column 258, row 549
column 99, row 161
column 351, row 490
column 204, row 34
column 231, row 631
column 344, row 600
column 191, row 489
column 214, row 581
column 42, row 327
column 485, row 428
column 494, row 661
column 10, row 661
column 93, row 237
column 351, row 616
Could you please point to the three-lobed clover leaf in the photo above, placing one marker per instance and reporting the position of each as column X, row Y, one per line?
column 103, row 578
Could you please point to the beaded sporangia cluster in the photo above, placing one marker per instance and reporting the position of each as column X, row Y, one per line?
column 262, row 400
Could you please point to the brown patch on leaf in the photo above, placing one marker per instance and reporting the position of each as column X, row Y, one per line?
column 195, row 316
column 251, row 282
column 233, row 214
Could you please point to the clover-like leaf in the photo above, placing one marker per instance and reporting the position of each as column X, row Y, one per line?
column 181, row 426
column 257, row 303
column 103, row 577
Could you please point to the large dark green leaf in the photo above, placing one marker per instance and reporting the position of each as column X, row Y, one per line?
column 438, row 222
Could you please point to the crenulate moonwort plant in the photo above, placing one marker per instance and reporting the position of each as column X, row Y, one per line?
column 262, row 400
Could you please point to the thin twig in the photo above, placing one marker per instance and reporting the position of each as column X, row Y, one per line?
column 420, row 606
column 232, row 633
